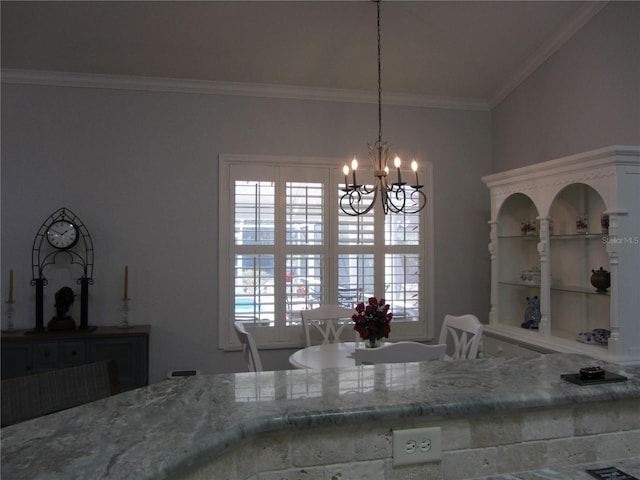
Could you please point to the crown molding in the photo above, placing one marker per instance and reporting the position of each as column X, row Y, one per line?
column 122, row 82
column 176, row 85
column 543, row 54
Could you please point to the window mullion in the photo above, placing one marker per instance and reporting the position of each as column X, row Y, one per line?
column 280, row 251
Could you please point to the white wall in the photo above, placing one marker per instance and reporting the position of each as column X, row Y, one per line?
column 140, row 169
column 586, row 96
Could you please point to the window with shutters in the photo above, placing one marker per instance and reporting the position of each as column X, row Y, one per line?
column 286, row 246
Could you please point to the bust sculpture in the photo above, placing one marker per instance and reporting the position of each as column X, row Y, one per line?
column 62, row 321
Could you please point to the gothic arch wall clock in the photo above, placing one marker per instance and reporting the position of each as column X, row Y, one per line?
column 62, row 234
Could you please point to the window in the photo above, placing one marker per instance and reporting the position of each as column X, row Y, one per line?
column 285, row 246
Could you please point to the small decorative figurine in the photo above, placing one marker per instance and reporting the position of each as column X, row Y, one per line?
column 62, row 321
column 532, row 314
column 599, row 336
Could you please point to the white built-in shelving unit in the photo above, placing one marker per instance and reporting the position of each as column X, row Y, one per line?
column 563, row 202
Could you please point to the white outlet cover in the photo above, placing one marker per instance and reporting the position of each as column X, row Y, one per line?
column 419, row 438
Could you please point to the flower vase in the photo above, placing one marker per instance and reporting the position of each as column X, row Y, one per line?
column 373, row 342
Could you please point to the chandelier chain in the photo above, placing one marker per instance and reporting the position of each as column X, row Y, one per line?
column 379, row 81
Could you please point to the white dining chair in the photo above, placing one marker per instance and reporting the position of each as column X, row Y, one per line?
column 465, row 332
column 249, row 349
column 328, row 320
column 400, row 352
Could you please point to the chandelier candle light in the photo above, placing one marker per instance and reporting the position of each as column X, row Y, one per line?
column 394, row 197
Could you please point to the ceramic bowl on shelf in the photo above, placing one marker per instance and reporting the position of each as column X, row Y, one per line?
column 530, row 276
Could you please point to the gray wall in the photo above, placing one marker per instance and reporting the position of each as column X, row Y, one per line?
column 585, row 96
column 140, row 169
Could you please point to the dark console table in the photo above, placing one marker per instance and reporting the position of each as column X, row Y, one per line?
column 24, row 352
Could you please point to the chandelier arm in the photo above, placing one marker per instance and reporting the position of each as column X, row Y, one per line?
column 421, row 200
column 400, row 195
column 416, row 196
column 384, row 192
column 366, row 191
column 354, row 197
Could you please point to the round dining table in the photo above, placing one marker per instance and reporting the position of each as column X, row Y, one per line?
column 329, row 355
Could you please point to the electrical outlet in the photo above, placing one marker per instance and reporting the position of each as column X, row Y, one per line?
column 417, row 445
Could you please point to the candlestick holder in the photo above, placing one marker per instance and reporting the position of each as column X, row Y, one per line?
column 124, row 310
column 10, row 310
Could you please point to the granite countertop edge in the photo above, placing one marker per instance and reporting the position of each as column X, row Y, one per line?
column 172, row 427
column 304, row 419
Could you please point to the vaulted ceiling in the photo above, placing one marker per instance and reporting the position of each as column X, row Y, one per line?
column 473, row 51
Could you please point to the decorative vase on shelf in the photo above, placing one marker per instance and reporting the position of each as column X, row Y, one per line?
column 604, row 223
column 528, row 227
column 601, row 279
column 581, row 224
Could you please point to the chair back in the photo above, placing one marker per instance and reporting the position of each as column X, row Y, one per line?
column 400, row 352
column 249, row 349
column 328, row 320
column 31, row 396
column 465, row 332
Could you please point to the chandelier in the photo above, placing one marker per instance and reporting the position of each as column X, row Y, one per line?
column 395, row 197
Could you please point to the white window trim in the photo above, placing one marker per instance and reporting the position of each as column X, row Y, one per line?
column 227, row 339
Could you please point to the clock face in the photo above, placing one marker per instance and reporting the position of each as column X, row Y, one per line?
column 62, row 234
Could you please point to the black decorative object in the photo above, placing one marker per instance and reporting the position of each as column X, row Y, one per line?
column 609, row 473
column 532, row 314
column 591, row 373
column 66, row 235
column 601, row 279
column 62, row 321
column 608, row 377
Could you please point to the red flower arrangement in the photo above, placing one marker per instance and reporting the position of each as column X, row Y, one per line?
column 372, row 321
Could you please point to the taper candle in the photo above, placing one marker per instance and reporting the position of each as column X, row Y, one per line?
column 10, row 286
column 354, row 167
column 396, row 163
column 126, row 282
column 414, row 167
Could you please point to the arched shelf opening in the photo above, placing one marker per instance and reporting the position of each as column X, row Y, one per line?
column 576, row 250
column 517, row 258
column 577, row 209
column 517, row 217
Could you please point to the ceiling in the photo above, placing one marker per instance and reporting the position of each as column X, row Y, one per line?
column 471, row 51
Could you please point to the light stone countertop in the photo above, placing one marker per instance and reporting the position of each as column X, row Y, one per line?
column 161, row 430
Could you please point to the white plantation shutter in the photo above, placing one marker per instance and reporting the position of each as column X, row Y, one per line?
column 285, row 246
